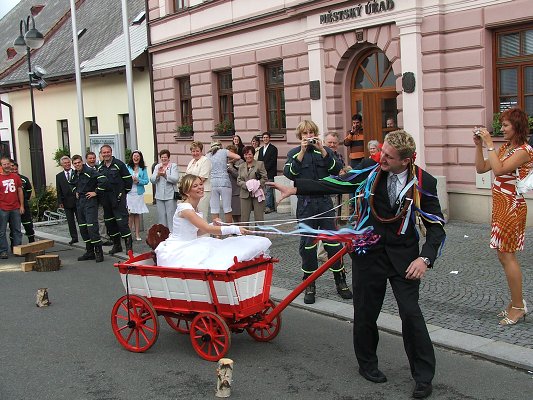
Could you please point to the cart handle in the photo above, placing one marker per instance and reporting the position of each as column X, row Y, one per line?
column 301, row 287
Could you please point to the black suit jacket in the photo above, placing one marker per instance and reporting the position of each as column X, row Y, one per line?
column 270, row 159
column 401, row 249
column 65, row 195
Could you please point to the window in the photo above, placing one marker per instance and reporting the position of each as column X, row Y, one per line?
column 126, row 130
column 1, row 107
column 275, row 98
column 514, row 69
column 180, row 4
column 185, row 101
column 225, row 96
column 93, row 125
column 63, row 125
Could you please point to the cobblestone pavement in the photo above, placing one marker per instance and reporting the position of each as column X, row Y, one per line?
column 464, row 291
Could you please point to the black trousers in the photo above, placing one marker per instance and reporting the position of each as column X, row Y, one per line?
column 27, row 222
column 116, row 216
column 72, row 217
column 370, row 274
column 88, row 219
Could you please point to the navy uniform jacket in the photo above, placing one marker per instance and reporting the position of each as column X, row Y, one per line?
column 119, row 178
column 88, row 180
column 26, row 188
column 313, row 165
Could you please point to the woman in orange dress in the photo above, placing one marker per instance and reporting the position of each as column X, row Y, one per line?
column 508, row 207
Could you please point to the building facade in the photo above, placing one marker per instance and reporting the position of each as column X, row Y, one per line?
column 435, row 67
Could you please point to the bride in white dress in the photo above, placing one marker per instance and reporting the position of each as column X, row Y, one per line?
column 185, row 249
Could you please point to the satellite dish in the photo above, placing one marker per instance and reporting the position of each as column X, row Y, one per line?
column 39, row 71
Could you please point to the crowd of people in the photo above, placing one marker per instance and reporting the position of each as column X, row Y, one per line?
column 239, row 180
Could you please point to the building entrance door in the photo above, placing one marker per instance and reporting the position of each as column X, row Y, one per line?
column 37, row 158
column 373, row 95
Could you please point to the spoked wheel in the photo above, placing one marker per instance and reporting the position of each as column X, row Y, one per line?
column 179, row 324
column 265, row 334
column 210, row 336
column 135, row 323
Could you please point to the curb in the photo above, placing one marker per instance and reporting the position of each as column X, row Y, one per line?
column 492, row 350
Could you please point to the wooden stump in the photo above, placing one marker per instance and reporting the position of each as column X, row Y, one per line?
column 41, row 298
column 28, row 257
column 47, row 262
column 224, row 377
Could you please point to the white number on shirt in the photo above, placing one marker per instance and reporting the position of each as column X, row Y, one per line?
column 9, row 185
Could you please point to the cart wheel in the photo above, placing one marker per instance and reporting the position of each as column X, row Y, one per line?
column 134, row 323
column 210, row 336
column 265, row 334
column 179, row 324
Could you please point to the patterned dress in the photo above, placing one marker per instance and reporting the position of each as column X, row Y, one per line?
column 509, row 209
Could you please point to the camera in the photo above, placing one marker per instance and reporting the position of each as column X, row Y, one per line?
column 477, row 132
column 312, row 141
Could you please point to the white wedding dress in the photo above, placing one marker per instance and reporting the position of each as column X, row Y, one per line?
column 184, row 249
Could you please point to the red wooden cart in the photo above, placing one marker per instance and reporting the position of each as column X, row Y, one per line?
column 206, row 304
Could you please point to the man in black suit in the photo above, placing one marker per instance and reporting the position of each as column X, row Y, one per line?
column 66, row 197
column 396, row 257
column 268, row 153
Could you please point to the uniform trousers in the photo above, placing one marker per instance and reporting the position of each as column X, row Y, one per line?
column 88, row 219
column 27, row 222
column 116, row 216
column 370, row 274
column 308, row 206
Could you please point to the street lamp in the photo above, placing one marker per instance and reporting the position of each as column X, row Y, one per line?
column 30, row 38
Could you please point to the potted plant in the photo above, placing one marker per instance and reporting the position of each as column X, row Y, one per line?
column 225, row 128
column 62, row 151
column 496, row 125
column 184, row 131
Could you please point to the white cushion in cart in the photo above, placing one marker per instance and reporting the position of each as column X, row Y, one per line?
column 210, row 253
column 242, row 288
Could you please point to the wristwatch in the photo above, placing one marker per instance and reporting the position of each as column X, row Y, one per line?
column 426, row 261
column 490, row 149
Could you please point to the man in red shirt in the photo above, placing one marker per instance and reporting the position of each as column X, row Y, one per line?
column 11, row 206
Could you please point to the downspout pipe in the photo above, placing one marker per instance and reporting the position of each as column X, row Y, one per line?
column 13, row 145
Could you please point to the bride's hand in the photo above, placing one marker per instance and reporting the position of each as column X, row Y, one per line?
column 244, row 231
column 217, row 221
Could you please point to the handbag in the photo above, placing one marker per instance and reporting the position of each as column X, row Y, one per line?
column 524, row 185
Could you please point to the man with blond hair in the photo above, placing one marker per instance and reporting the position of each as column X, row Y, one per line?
column 312, row 160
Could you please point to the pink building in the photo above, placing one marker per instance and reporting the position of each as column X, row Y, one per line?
column 436, row 67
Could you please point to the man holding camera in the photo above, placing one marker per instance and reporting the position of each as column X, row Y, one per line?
column 311, row 160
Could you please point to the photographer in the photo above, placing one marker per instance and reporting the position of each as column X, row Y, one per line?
column 311, row 160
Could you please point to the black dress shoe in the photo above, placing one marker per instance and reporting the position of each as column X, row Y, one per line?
column 73, row 241
column 373, row 375
column 422, row 390
column 107, row 243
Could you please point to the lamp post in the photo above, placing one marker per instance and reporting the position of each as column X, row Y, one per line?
column 31, row 38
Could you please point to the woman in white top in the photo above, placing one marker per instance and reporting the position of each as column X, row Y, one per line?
column 184, row 248
column 201, row 167
column 164, row 178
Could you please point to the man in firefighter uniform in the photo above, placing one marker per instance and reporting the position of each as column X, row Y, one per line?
column 312, row 160
column 88, row 184
column 119, row 181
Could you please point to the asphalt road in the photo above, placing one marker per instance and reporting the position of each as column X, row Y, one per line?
column 68, row 351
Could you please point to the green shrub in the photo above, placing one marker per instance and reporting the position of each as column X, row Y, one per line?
column 225, row 128
column 45, row 200
column 185, row 130
column 496, row 125
column 127, row 156
column 62, row 151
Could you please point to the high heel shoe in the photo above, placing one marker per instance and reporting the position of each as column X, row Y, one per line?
column 508, row 321
column 502, row 313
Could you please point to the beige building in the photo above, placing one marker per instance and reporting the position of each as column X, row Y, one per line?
column 437, row 67
column 105, row 98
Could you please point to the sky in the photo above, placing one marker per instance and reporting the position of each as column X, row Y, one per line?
column 6, row 6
